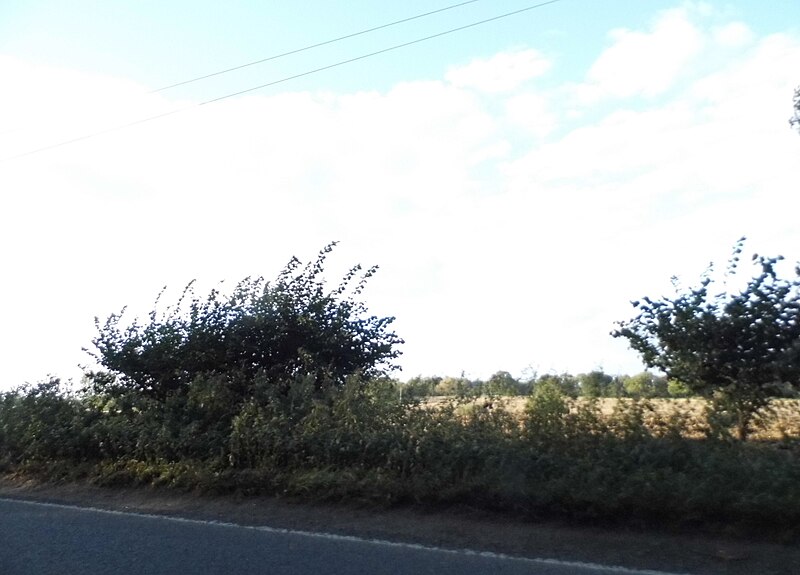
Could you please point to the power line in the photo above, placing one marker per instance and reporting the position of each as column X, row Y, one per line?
column 317, row 45
column 383, row 51
column 285, row 79
column 96, row 134
column 274, row 57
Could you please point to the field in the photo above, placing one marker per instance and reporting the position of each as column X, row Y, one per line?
column 780, row 424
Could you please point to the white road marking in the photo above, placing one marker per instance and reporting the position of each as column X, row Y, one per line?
column 353, row 539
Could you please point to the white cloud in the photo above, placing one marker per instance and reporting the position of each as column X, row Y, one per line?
column 501, row 73
column 644, row 63
column 733, row 35
column 531, row 111
column 507, row 234
column 51, row 105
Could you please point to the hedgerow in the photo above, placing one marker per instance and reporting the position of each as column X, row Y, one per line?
column 284, row 388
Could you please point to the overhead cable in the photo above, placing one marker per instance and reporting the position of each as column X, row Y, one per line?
column 285, row 79
column 317, row 45
column 383, row 51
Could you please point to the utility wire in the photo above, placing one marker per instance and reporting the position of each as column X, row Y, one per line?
column 286, row 79
column 96, row 134
column 274, row 57
column 383, row 51
column 317, row 45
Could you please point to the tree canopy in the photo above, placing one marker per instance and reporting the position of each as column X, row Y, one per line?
column 739, row 348
column 291, row 327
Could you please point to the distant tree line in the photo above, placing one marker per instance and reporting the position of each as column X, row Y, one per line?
column 596, row 383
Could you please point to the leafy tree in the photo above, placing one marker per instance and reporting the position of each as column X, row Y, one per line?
column 739, row 349
column 616, row 388
column 595, row 383
column 546, row 411
column 420, row 386
column 453, row 386
column 502, row 383
column 566, row 383
column 677, row 389
column 279, row 331
column 660, row 386
column 645, row 384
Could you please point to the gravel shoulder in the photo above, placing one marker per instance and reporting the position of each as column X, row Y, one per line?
column 458, row 528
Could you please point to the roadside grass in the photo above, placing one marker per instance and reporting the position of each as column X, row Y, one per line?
column 628, row 462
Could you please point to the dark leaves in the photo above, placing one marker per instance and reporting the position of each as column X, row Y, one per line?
column 292, row 326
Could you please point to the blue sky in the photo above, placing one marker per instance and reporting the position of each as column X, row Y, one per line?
column 158, row 43
column 518, row 183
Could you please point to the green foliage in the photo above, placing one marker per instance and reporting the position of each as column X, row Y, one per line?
column 250, row 394
column 454, row 386
column 44, row 421
column 744, row 346
column 283, row 329
column 360, row 441
column 421, row 386
column 546, row 411
column 567, row 384
column 644, row 384
column 595, row 383
column 677, row 389
column 502, row 383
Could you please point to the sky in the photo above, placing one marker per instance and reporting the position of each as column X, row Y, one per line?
column 519, row 182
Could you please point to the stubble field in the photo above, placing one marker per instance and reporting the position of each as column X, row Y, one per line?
column 779, row 423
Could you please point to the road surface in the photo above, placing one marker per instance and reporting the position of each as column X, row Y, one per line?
column 45, row 538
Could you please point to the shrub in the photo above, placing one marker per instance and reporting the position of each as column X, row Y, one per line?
column 44, row 421
column 739, row 349
column 283, row 329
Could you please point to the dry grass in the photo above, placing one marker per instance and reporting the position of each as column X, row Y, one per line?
column 782, row 424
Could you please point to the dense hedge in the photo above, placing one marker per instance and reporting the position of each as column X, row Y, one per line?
column 361, row 441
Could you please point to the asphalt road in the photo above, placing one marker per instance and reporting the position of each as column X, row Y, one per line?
column 44, row 538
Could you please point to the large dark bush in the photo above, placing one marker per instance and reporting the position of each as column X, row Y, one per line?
column 289, row 328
